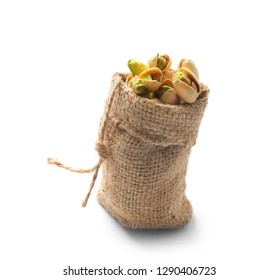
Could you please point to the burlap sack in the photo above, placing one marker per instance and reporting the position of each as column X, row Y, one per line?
column 145, row 147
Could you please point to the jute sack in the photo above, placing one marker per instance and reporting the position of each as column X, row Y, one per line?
column 144, row 146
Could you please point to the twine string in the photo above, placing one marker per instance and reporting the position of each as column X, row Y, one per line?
column 97, row 167
column 59, row 164
column 94, row 169
column 100, row 145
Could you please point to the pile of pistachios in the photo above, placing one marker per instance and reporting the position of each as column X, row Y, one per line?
column 156, row 79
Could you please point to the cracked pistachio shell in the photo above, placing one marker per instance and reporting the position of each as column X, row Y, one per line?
column 151, row 85
column 183, row 77
column 168, row 75
column 166, row 85
column 152, row 62
column 167, row 82
column 192, row 77
column 130, row 79
column 170, row 95
column 190, row 65
column 184, row 91
column 136, row 66
column 163, row 62
column 139, row 87
column 154, row 72
column 154, row 83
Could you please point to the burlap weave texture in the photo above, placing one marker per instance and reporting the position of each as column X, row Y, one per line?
column 146, row 146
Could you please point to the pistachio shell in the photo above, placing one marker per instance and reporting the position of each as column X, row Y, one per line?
column 168, row 64
column 168, row 75
column 167, row 82
column 190, row 65
column 154, row 72
column 170, row 97
column 139, row 87
column 155, row 62
column 150, row 79
column 129, row 79
column 183, row 77
column 166, row 85
column 152, row 62
column 136, row 66
column 151, row 85
column 184, row 91
column 192, row 77
column 194, row 87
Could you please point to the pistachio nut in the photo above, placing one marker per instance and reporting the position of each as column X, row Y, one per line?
column 190, row 65
column 130, row 79
column 167, row 93
column 183, row 77
column 158, row 81
column 163, row 62
column 186, row 85
column 155, row 82
column 184, row 91
column 168, row 75
column 136, row 66
column 154, row 72
column 194, row 79
column 139, row 87
column 169, row 96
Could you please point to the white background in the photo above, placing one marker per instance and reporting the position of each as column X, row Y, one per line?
column 56, row 62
